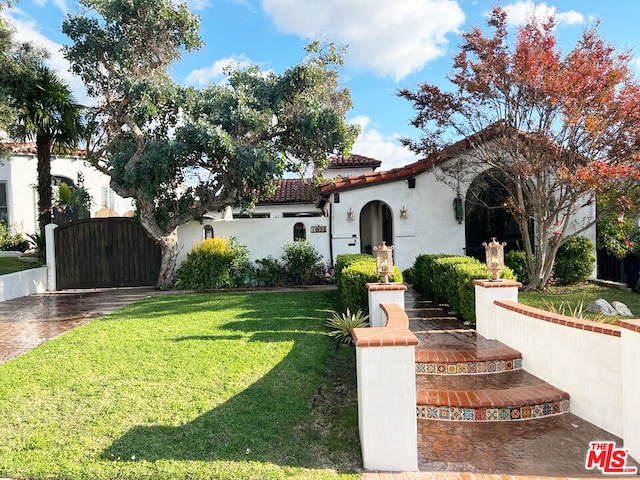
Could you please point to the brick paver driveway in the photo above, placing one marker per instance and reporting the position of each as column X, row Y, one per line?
column 30, row 321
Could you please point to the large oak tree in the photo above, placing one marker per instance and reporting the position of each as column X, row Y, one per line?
column 553, row 129
column 180, row 152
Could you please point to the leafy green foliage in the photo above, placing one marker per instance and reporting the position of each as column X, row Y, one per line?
column 516, row 260
column 353, row 272
column 149, row 131
column 303, row 262
column 618, row 239
column 214, row 263
column 12, row 241
column 449, row 279
column 574, row 261
column 343, row 323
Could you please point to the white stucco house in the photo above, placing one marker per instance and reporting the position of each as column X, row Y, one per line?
column 18, row 192
column 358, row 207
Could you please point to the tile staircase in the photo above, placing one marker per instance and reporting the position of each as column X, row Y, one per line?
column 463, row 377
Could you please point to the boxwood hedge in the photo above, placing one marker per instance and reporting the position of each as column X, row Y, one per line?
column 449, row 279
column 352, row 273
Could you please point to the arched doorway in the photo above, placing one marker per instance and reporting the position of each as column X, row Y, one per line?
column 486, row 215
column 376, row 225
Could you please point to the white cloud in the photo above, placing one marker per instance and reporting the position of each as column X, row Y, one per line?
column 520, row 12
column 215, row 72
column 26, row 30
column 372, row 143
column 392, row 38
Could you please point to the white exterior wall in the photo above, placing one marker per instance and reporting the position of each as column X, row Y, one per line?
column 430, row 226
column 20, row 173
column 23, row 283
column 586, row 364
column 631, row 390
column 262, row 236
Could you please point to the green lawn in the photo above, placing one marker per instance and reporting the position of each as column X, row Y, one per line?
column 210, row 386
column 13, row 264
column 584, row 292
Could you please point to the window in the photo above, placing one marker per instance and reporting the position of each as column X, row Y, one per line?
column 4, row 207
column 299, row 232
column 208, row 231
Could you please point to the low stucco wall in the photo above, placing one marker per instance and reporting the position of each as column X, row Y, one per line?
column 21, row 284
column 578, row 356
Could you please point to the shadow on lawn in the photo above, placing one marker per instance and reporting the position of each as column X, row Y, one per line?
column 269, row 421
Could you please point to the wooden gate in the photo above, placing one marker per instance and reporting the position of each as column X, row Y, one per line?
column 105, row 252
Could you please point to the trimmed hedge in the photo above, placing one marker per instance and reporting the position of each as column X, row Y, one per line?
column 353, row 272
column 449, row 279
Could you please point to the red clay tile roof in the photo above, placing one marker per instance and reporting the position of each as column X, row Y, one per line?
column 289, row 190
column 413, row 169
column 30, row 148
column 353, row 160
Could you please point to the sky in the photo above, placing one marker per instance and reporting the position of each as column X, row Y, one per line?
column 390, row 44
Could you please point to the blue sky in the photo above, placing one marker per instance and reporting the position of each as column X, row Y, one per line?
column 391, row 44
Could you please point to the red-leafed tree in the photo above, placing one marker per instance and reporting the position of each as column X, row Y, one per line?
column 554, row 130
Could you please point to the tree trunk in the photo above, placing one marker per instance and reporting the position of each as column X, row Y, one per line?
column 169, row 245
column 43, row 149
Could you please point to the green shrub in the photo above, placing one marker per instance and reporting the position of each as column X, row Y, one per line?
column 303, row 263
column 353, row 272
column 213, row 263
column 270, row 272
column 344, row 260
column 516, row 260
column 449, row 279
column 574, row 261
column 12, row 241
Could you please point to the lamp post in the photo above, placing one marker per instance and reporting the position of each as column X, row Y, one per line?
column 494, row 252
column 384, row 261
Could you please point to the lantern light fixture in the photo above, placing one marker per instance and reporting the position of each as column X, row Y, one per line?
column 404, row 213
column 494, row 252
column 620, row 218
column 458, row 209
column 351, row 215
column 384, row 261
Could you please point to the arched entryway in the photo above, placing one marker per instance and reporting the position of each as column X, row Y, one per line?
column 486, row 215
column 376, row 225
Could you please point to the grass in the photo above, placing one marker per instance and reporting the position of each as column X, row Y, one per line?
column 584, row 292
column 199, row 386
column 13, row 264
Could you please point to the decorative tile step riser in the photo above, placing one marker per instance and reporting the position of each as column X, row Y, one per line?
column 457, row 414
column 468, row 368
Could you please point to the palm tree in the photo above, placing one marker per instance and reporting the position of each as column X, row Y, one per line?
column 48, row 112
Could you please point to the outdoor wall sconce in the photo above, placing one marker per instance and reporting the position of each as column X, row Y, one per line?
column 351, row 215
column 494, row 252
column 411, row 182
column 458, row 209
column 620, row 218
column 404, row 213
column 384, row 261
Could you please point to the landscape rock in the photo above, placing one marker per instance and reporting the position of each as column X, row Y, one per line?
column 622, row 309
column 602, row 306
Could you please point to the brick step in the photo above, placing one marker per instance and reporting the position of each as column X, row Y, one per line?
column 462, row 352
column 515, row 395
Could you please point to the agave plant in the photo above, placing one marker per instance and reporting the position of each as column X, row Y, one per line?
column 577, row 311
column 343, row 323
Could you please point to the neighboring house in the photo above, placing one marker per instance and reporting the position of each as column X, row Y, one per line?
column 18, row 193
